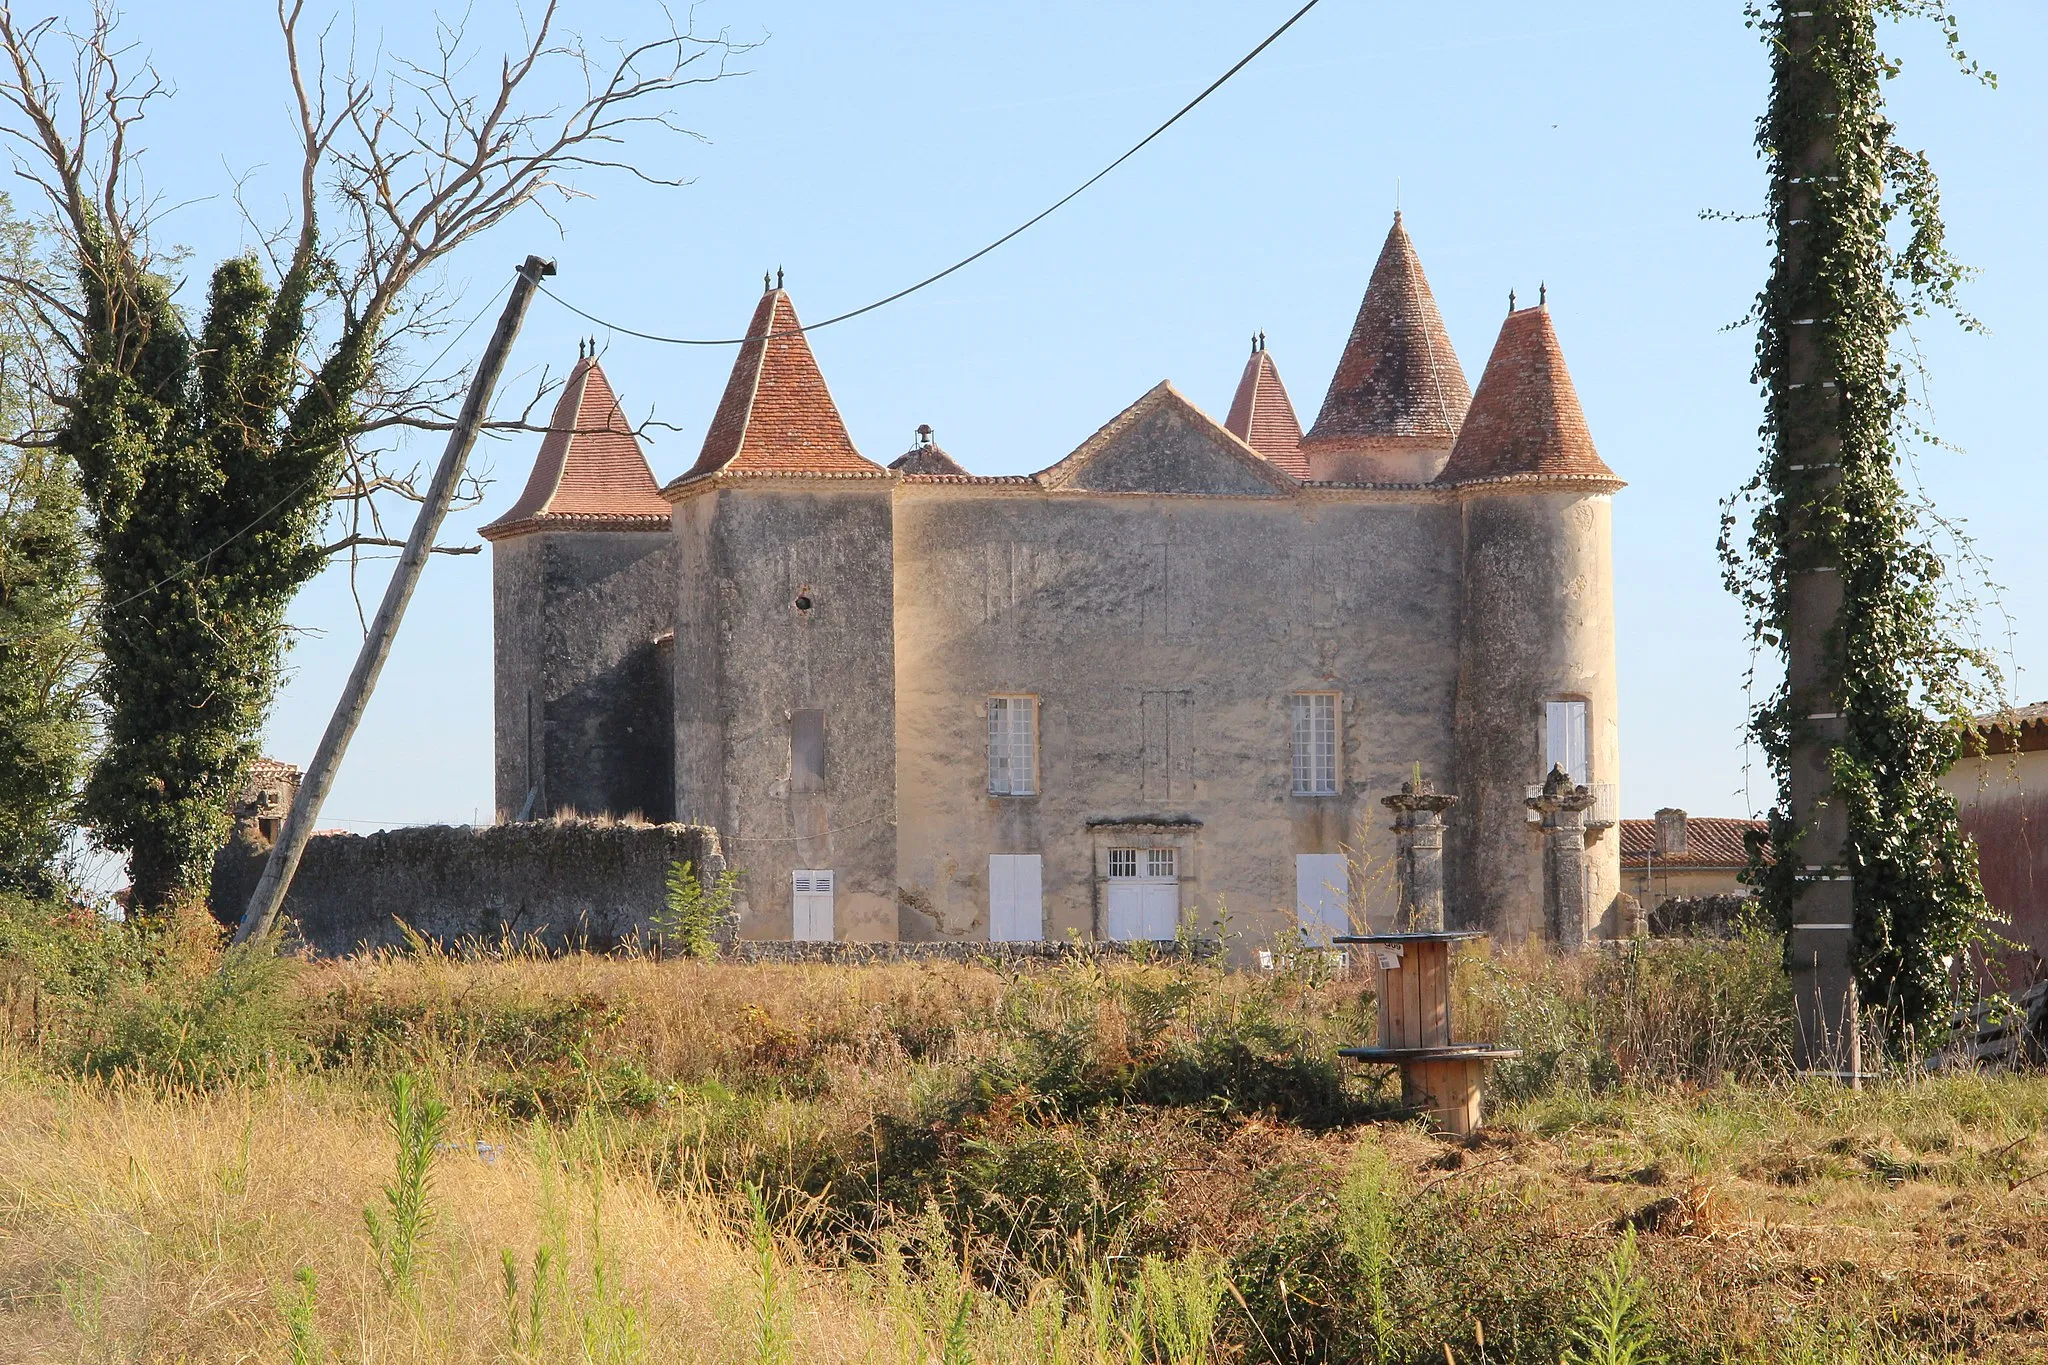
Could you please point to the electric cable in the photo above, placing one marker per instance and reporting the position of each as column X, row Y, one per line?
column 965, row 261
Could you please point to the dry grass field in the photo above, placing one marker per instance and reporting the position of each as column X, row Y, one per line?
column 1090, row 1162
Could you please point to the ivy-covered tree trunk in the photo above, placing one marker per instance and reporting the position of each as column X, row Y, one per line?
column 46, row 657
column 1865, row 862
column 206, row 465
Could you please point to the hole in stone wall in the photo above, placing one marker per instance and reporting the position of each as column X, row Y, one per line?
column 803, row 601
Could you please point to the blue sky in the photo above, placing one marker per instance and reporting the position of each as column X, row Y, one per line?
column 1563, row 143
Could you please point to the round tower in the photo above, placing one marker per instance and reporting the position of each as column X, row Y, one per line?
column 1536, row 676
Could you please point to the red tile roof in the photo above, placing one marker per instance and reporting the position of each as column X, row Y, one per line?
column 1710, row 841
column 1261, row 415
column 1398, row 376
column 1525, row 421
column 777, row 415
column 590, row 473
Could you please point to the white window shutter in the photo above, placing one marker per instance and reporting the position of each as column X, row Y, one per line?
column 1016, row 909
column 1322, row 893
column 810, row 911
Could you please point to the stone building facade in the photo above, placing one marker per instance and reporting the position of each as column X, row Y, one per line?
column 1166, row 678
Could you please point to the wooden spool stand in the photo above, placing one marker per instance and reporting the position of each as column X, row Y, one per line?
column 1437, row 1074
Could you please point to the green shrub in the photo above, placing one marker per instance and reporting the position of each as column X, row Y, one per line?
column 212, row 1024
column 694, row 915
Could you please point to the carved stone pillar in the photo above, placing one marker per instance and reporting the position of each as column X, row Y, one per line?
column 1419, row 855
column 1563, row 808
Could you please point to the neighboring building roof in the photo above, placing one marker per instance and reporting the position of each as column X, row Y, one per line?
column 1261, row 415
column 1710, row 842
column 1525, row 422
column 777, row 416
column 1398, row 376
column 926, row 458
column 590, row 473
column 2017, row 729
column 1164, row 444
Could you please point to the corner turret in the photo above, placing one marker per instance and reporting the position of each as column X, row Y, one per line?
column 581, row 607
column 1536, row 674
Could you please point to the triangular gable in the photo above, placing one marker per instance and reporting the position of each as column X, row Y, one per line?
column 1164, row 444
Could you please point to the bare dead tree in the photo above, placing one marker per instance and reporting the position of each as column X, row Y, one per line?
column 301, row 372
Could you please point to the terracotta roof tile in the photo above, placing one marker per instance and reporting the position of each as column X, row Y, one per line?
column 1710, row 841
column 777, row 414
column 1525, row 420
column 590, row 473
column 1262, row 417
column 1398, row 377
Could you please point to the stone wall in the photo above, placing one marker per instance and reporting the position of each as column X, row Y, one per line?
column 561, row 884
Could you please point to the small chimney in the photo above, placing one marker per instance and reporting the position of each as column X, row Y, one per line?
column 1670, row 832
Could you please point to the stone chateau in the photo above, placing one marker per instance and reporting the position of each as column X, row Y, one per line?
column 1173, row 672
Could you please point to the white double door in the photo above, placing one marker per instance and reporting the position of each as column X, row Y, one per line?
column 1143, row 908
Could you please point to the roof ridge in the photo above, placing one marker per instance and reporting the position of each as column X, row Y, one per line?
column 1062, row 472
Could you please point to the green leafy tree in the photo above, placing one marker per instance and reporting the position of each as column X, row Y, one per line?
column 46, row 656
column 211, row 451
column 1858, row 252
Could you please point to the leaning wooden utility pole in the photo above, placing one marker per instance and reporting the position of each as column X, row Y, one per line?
column 1808, row 320
column 355, row 697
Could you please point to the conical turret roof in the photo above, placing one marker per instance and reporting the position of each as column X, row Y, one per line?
column 1525, row 421
column 590, row 473
column 1398, row 377
column 1262, row 416
column 777, row 416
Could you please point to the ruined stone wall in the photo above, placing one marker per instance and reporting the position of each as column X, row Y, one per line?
column 563, row 884
column 582, row 683
column 1163, row 637
column 785, row 607
column 1538, row 626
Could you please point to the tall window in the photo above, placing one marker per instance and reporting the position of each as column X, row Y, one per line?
column 1013, row 746
column 1564, row 739
column 1315, row 744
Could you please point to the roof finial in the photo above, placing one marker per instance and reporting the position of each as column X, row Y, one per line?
column 1262, row 339
column 1543, row 295
column 924, row 434
column 1511, row 300
column 765, row 286
column 1397, row 198
column 778, row 277
column 579, row 348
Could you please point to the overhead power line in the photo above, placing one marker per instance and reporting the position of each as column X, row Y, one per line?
column 964, row 261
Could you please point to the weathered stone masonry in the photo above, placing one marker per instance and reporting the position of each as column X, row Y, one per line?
column 1169, row 675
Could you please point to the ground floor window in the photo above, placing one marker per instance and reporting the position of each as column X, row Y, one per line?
column 1143, row 895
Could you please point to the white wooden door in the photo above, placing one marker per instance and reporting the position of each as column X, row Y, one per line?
column 1144, row 895
column 1016, row 908
column 811, row 902
column 1322, row 894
